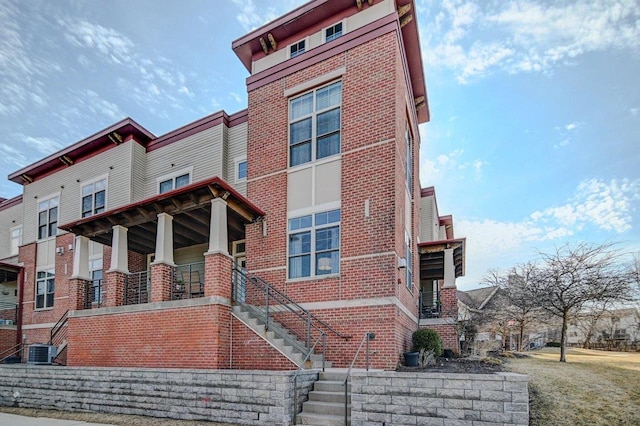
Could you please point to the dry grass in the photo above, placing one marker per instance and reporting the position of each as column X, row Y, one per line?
column 591, row 388
column 111, row 419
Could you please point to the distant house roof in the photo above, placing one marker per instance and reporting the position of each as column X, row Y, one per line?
column 479, row 298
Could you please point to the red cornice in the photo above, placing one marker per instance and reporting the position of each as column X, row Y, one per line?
column 441, row 242
column 11, row 202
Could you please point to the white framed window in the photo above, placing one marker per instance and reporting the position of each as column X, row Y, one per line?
column 409, row 256
column 241, row 169
column 48, row 217
column 297, row 48
column 16, row 239
column 94, row 197
column 174, row 180
column 97, row 289
column 45, row 289
column 314, row 124
column 409, row 159
column 314, row 245
column 333, row 32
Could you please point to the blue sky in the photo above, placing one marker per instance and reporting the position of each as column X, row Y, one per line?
column 535, row 106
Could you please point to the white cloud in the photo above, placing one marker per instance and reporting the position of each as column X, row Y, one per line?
column 634, row 111
column 475, row 39
column 253, row 15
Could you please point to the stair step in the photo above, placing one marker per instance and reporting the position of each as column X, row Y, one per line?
column 330, row 386
column 320, row 419
column 321, row 407
column 327, row 396
column 333, row 376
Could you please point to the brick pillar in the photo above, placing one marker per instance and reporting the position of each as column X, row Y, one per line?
column 217, row 282
column 161, row 274
column 449, row 302
column 113, row 288
column 77, row 293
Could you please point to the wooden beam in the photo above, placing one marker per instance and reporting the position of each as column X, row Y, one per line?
column 405, row 20
column 272, row 41
column 265, row 49
column 359, row 4
column 402, row 10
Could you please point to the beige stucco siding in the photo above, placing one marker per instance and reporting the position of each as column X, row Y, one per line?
column 138, row 171
column 114, row 164
column 429, row 221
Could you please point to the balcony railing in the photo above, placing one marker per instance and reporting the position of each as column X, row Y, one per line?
column 137, row 288
column 93, row 294
column 187, row 281
column 8, row 313
column 430, row 305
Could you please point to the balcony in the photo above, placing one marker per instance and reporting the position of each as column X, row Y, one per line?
column 430, row 304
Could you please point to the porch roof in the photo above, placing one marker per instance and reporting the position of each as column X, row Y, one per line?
column 190, row 207
column 9, row 272
column 432, row 257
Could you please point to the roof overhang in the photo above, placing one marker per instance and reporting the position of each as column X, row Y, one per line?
column 9, row 272
column 190, row 207
column 88, row 147
column 312, row 13
column 432, row 258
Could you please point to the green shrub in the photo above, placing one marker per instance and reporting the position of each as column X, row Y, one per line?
column 553, row 344
column 427, row 339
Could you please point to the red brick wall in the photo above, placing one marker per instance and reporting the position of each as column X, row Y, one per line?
column 172, row 338
column 7, row 339
column 251, row 352
column 448, row 334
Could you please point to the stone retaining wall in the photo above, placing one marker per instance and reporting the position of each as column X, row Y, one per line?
column 231, row 396
column 439, row 399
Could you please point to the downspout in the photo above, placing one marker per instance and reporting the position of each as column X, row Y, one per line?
column 19, row 307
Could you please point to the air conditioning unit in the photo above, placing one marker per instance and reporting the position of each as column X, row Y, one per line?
column 42, row 354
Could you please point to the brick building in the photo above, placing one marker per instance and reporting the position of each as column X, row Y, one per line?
column 246, row 240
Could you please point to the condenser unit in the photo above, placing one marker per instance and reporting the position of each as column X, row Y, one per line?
column 42, row 354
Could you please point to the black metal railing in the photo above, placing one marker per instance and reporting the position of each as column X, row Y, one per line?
column 187, row 281
column 93, row 294
column 277, row 309
column 59, row 331
column 321, row 340
column 136, row 288
column 430, row 304
column 367, row 337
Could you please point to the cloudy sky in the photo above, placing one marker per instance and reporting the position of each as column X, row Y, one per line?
column 534, row 139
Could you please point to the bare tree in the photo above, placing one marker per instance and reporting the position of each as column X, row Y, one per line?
column 572, row 278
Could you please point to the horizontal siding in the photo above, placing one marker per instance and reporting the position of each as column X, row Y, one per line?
column 138, row 172
column 204, row 151
column 68, row 182
column 237, row 147
column 9, row 217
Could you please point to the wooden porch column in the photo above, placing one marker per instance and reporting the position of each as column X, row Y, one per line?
column 218, row 241
column 449, row 269
column 162, row 266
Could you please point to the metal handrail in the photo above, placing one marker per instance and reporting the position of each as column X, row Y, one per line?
column 323, row 336
column 139, row 296
column 367, row 337
column 11, row 351
column 58, row 327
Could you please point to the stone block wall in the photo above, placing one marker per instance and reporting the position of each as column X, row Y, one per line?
column 439, row 399
column 229, row 396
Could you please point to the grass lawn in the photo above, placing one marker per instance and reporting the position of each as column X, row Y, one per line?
column 591, row 388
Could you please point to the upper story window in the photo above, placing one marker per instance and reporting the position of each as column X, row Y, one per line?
column 94, row 198
column 174, row 181
column 48, row 218
column 409, row 159
column 333, row 32
column 314, row 244
column 45, row 289
column 296, row 49
column 16, row 239
column 241, row 169
column 314, row 124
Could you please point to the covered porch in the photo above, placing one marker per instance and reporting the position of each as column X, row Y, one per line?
column 161, row 247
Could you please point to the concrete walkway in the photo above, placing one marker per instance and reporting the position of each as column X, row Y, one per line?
column 14, row 420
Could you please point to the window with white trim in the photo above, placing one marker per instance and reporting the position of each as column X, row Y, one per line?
column 296, row 49
column 94, row 197
column 174, row 181
column 314, row 245
column 97, row 289
column 16, row 239
column 409, row 165
column 333, row 32
column 241, row 169
column 45, row 289
column 314, row 124
column 48, row 218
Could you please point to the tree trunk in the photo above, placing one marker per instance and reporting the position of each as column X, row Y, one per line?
column 521, row 342
column 563, row 337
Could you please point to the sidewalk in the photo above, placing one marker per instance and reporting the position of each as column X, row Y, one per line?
column 14, row 420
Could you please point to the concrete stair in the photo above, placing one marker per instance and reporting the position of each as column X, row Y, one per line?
column 325, row 405
column 277, row 336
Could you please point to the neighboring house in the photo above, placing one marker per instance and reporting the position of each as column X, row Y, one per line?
column 216, row 244
column 616, row 329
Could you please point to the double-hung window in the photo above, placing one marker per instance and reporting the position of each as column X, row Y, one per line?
column 296, row 49
column 45, row 289
column 241, row 169
column 94, row 198
column 48, row 218
column 314, row 124
column 16, row 239
column 314, row 244
column 95, row 267
column 169, row 183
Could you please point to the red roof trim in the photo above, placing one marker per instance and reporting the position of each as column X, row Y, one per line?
column 187, row 130
column 17, row 268
column 239, row 118
column 11, row 202
column 439, row 242
column 185, row 189
column 427, row 192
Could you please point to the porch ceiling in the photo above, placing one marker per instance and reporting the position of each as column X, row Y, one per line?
column 432, row 258
column 190, row 207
